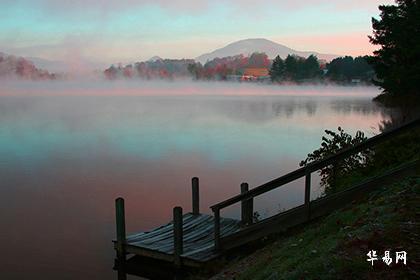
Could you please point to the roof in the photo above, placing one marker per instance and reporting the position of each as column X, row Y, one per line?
column 256, row 72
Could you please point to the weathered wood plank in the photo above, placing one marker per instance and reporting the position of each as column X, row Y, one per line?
column 161, row 256
column 201, row 235
column 265, row 227
column 216, row 213
column 178, row 236
column 167, row 233
column 159, row 231
column 167, row 238
column 247, row 207
column 198, row 238
column 121, row 236
column 195, row 196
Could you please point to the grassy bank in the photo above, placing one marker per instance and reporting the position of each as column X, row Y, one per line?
column 336, row 246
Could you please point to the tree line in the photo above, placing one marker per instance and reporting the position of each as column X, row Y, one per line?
column 291, row 69
column 342, row 69
column 295, row 68
column 152, row 69
column 19, row 67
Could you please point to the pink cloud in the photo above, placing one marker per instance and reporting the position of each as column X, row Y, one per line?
column 342, row 44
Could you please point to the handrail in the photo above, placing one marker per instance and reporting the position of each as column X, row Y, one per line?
column 314, row 166
column 298, row 173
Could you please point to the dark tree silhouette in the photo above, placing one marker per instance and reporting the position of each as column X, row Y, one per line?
column 397, row 62
column 277, row 69
column 345, row 69
column 291, row 67
column 298, row 68
column 311, row 67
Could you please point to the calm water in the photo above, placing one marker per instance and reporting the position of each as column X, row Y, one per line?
column 65, row 158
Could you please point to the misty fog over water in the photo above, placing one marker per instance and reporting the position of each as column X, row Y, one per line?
column 68, row 149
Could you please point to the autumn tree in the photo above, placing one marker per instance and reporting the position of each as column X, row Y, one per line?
column 258, row 59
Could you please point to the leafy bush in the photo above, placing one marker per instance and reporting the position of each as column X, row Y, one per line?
column 331, row 144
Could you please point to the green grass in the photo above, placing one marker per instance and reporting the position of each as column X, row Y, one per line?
column 336, row 246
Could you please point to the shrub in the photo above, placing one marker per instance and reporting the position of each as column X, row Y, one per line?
column 332, row 143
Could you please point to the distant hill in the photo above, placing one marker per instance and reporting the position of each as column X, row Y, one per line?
column 155, row 58
column 248, row 46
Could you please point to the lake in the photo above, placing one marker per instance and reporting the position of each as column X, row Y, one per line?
column 67, row 150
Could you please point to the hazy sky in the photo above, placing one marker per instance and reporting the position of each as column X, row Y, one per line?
column 109, row 31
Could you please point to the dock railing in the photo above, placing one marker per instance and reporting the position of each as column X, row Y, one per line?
column 246, row 197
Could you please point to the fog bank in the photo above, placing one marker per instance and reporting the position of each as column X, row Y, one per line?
column 174, row 88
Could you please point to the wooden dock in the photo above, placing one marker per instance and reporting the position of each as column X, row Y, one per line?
column 194, row 239
column 186, row 240
column 197, row 241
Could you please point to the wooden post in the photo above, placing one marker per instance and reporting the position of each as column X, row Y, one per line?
column 178, row 238
column 121, row 275
column 247, row 211
column 120, row 220
column 308, row 194
column 334, row 175
column 195, row 196
column 216, row 229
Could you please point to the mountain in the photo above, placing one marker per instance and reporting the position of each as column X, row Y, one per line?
column 248, row 46
column 155, row 58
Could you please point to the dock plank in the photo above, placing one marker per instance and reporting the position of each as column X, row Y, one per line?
column 159, row 231
column 168, row 238
column 198, row 238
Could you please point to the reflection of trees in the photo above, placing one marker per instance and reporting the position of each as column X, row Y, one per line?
column 261, row 109
column 257, row 110
column 288, row 108
column 360, row 106
column 397, row 116
column 245, row 109
column 310, row 108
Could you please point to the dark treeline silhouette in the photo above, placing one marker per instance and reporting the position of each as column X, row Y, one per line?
column 347, row 69
column 295, row 68
column 340, row 70
column 19, row 67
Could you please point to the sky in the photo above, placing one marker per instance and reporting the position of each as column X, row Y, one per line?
column 106, row 31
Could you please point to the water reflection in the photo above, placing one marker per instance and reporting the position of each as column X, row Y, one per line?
column 63, row 160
